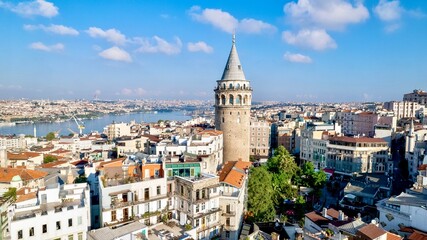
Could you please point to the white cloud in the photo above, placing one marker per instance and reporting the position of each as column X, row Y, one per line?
column 388, row 11
column 199, row 47
column 317, row 39
column 111, row 35
column 47, row 48
column 116, row 54
column 159, row 45
column 57, row 29
column 33, row 8
column 133, row 92
column 392, row 27
column 227, row 22
column 126, row 91
column 297, row 58
column 330, row 14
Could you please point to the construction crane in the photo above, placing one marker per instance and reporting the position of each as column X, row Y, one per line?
column 79, row 123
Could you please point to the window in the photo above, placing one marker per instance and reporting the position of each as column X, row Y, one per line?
column 197, row 208
column 113, row 215
column 227, row 234
column 20, row 235
column 70, row 222
column 158, row 190
column 80, row 236
column 58, row 225
column 31, row 232
column 191, row 171
column 227, row 222
column 70, row 237
column 203, row 206
column 44, row 228
column 159, row 204
column 79, row 220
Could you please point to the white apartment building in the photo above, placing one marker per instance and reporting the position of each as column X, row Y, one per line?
column 415, row 149
column 232, row 200
column 314, row 138
column 260, row 138
column 405, row 210
column 358, row 155
column 208, row 146
column 130, row 191
column 57, row 212
column 197, row 204
column 17, row 142
column 403, row 109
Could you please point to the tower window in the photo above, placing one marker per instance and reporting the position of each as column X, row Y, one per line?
column 222, row 119
column 231, row 100
column 230, row 86
column 239, row 67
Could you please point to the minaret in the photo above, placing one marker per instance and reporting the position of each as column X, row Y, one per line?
column 35, row 131
column 233, row 96
column 410, row 138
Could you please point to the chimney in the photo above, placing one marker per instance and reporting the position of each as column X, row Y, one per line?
column 341, row 216
column 324, row 212
column 359, row 216
column 26, row 191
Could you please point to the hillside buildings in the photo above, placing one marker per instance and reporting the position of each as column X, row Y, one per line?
column 233, row 96
column 417, row 95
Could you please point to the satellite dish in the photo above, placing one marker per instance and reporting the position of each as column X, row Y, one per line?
column 188, row 221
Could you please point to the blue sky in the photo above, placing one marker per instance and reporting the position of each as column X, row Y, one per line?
column 300, row 50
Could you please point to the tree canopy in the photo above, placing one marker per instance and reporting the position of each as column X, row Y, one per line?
column 11, row 193
column 260, row 194
column 49, row 158
column 50, row 136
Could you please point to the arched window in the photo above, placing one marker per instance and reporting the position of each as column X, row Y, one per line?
column 239, row 99
column 222, row 99
column 216, row 99
column 238, row 86
column 244, row 86
column 223, row 85
column 245, row 99
column 231, row 101
column 230, row 86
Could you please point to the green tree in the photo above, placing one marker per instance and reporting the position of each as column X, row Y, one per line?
column 50, row 136
column 260, row 194
column 49, row 158
column 282, row 162
column 81, row 179
column 11, row 193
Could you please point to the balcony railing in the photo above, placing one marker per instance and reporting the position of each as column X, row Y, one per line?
column 229, row 213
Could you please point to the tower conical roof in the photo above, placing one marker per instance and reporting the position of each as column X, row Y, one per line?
column 233, row 69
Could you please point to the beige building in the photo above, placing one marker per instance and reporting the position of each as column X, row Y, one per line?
column 260, row 138
column 403, row 109
column 233, row 179
column 233, row 96
column 358, row 155
column 417, row 95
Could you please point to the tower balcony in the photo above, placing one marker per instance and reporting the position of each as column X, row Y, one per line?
column 233, row 89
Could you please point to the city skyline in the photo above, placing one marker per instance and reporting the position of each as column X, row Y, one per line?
column 305, row 50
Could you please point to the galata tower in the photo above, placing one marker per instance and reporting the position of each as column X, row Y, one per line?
column 233, row 96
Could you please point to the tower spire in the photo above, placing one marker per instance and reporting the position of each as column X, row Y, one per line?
column 233, row 69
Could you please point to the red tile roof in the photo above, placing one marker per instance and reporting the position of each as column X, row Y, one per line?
column 358, row 139
column 233, row 172
column 6, row 174
column 371, row 231
column 22, row 155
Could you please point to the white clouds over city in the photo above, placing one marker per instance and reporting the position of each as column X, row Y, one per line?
column 32, row 8
column 228, row 23
column 116, row 54
column 199, row 47
column 47, row 48
column 297, row 58
column 56, row 29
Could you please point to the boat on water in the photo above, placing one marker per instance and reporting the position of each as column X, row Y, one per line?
column 7, row 124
